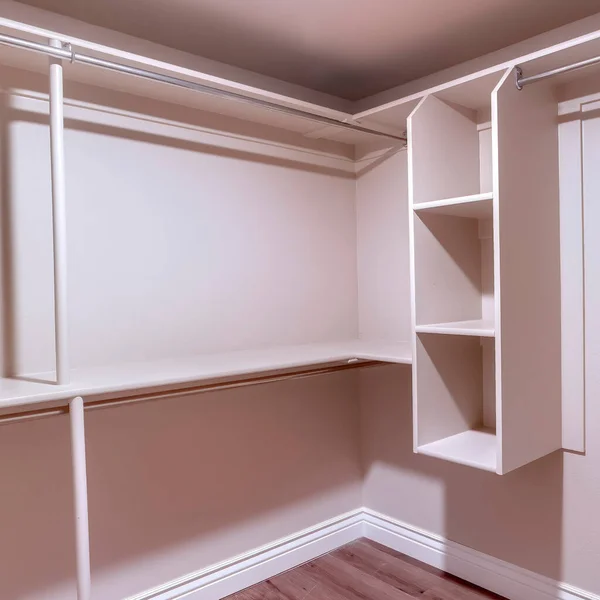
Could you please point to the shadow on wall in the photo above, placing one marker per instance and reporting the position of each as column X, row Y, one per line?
column 516, row 517
column 113, row 278
column 176, row 485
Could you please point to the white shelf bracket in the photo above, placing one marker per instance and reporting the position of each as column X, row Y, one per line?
column 82, row 532
column 59, row 217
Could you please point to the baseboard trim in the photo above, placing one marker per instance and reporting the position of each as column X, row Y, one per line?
column 228, row 577
column 476, row 567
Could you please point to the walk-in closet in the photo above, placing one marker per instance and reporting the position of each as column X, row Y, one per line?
column 299, row 326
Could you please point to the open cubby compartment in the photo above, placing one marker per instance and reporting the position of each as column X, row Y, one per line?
column 454, row 274
column 450, row 138
column 456, row 408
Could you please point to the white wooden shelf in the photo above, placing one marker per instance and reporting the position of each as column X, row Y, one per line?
column 477, row 206
column 474, row 448
column 472, row 253
column 186, row 371
column 478, row 327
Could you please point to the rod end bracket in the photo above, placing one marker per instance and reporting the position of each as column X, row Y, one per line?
column 518, row 77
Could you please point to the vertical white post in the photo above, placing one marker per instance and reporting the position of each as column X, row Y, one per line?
column 59, row 217
column 82, row 533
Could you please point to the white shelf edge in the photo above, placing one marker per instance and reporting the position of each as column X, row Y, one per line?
column 454, row 201
column 470, row 328
column 456, row 449
column 172, row 373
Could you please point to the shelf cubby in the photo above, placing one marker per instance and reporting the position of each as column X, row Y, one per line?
column 456, row 410
column 451, row 158
column 453, row 263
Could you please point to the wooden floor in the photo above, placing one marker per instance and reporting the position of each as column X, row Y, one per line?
column 364, row 570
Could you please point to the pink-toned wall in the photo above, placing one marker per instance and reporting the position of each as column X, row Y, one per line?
column 544, row 516
column 175, row 248
column 176, row 485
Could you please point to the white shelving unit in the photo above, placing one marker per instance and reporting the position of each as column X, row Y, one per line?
column 485, row 277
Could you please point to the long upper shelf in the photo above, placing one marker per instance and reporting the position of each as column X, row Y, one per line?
column 183, row 372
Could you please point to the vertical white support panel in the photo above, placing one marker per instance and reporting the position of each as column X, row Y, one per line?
column 411, row 134
column 572, row 286
column 528, row 291
column 82, row 534
column 59, row 218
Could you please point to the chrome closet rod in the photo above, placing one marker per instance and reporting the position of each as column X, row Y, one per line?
column 186, row 391
column 75, row 57
column 523, row 81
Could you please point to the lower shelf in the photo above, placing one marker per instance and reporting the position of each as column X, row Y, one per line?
column 171, row 373
column 479, row 327
column 475, row 448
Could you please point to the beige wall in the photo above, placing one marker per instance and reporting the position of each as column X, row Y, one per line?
column 176, row 485
column 176, row 248
column 542, row 517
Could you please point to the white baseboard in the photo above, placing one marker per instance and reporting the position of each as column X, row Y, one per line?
column 228, row 577
column 480, row 569
column 223, row 579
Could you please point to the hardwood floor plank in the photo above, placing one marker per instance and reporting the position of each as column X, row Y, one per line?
column 365, row 570
column 291, row 585
column 402, row 574
column 431, row 577
column 327, row 592
column 404, row 557
column 451, row 590
column 361, row 556
column 294, row 584
column 262, row 591
column 354, row 584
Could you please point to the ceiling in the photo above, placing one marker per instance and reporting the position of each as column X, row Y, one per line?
column 347, row 48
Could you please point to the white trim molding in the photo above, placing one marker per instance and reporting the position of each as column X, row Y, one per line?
column 228, row 577
column 476, row 567
column 225, row 578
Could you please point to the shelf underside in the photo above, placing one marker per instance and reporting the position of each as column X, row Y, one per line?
column 171, row 373
column 477, row 206
column 478, row 327
column 475, row 448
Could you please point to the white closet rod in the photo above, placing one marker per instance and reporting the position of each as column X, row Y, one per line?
column 185, row 391
column 522, row 81
column 66, row 52
column 80, row 499
column 59, row 218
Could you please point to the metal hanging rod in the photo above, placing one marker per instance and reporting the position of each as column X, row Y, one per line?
column 523, row 81
column 67, row 53
column 186, row 391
